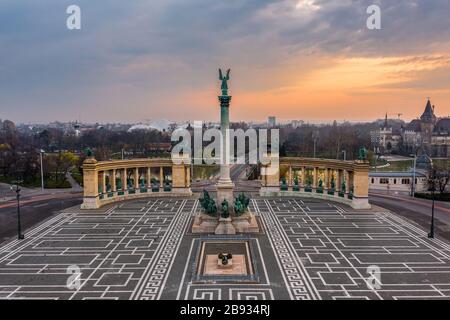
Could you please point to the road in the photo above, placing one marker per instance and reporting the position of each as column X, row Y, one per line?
column 417, row 210
column 236, row 174
column 33, row 209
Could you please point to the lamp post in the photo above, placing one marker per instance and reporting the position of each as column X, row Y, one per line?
column 414, row 176
column 20, row 235
column 414, row 171
column 433, row 188
column 42, row 168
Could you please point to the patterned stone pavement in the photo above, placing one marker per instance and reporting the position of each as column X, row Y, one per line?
column 143, row 249
column 336, row 245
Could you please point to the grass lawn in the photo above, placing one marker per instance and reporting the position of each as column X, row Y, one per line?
column 407, row 165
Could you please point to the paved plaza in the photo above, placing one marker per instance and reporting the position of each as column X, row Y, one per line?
column 143, row 249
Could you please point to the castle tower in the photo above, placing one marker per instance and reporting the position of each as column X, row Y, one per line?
column 428, row 121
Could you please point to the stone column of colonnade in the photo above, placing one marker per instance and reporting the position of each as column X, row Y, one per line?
column 326, row 182
column 188, row 177
column 90, row 184
column 104, row 182
column 136, row 178
column 303, row 177
column 161, row 178
column 124, row 179
column 361, row 185
column 290, row 181
column 314, row 178
column 113, row 182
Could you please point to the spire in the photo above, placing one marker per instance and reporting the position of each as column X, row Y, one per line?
column 428, row 114
column 386, row 121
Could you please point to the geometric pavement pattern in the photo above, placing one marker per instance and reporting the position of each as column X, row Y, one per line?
column 337, row 245
column 113, row 250
column 309, row 249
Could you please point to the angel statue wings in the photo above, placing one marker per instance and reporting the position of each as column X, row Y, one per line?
column 224, row 81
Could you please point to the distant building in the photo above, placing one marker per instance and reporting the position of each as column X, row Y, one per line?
column 272, row 122
column 440, row 139
column 296, row 123
column 398, row 182
column 386, row 139
column 428, row 133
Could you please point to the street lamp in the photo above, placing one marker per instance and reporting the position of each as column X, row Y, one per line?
column 42, row 169
column 414, row 173
column 20, row 235
column 414, row 176
column 433, row 188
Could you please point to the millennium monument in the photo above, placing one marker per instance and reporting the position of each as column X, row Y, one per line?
column 225, row 186
column 225, row 215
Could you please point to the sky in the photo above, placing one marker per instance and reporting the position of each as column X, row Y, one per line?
column 312, row 60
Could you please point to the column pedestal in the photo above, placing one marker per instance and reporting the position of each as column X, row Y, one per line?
column 225, row 192
column 225, row 227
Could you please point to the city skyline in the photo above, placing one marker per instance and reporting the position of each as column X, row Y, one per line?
column 309, row 60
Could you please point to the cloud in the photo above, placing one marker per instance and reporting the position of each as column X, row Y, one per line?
column 137, row 55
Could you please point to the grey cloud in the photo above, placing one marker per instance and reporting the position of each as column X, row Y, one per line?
column 40, row 57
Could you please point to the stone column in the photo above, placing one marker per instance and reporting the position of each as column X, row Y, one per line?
column 327, row 179
column 188, row 176
column 303, row 177
column 225, row 186
column 113, row 181
column 124, row 179
column 290, row 183
column 181, row 172
column 161, row 177
column 149, row 176
column 90, row 184
column 314, row 178
column 136, row 178
column 224, row 127
column 271, row 178
column 103, row 181
column 339, row 180
column 361, row 185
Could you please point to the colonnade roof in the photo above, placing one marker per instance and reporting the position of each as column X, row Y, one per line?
column 132, row 163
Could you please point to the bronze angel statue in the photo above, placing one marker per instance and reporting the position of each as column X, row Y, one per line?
column 224, row 81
